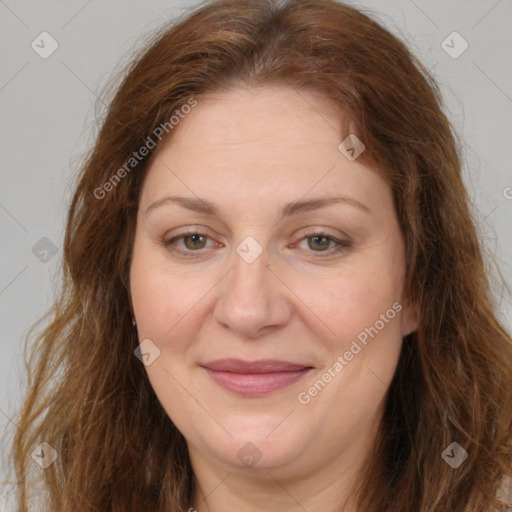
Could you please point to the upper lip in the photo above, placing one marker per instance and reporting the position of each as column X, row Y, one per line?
column 263, row 366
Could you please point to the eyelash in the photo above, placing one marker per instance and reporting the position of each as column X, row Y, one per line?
column 341, row 246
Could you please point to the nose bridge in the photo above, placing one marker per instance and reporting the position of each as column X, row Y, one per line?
column 251, row 297
column 248, row 285
column 250, row 267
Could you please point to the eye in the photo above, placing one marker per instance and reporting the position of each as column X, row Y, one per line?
column 193, row 242
column 319, row 242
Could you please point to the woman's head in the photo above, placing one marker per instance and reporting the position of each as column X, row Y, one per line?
column 258, row 107
column 320, row 288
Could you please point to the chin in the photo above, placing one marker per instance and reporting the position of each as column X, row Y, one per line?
column 262, row 442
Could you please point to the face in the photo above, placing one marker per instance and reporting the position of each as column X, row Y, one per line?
column 274, row 307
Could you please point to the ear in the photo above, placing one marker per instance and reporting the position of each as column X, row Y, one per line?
column 411, row 317
column 131, row 308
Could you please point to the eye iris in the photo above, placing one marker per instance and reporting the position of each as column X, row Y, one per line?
column 194, row 239
column 323, row 246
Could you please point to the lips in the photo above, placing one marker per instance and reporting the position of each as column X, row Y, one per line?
column 254, row 378
column 266, row 366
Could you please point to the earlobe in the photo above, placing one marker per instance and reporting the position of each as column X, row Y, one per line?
column 411, row 318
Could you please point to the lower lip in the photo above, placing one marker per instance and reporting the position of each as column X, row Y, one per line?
column 256, row 384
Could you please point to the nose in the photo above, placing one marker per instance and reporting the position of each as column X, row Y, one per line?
column 253, row 300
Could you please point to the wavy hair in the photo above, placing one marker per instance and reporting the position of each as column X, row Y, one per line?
column 90, row 398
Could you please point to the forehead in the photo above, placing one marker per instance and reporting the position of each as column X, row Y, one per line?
column 255, row 143
column 258, row 115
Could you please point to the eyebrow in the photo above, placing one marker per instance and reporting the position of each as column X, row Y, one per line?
column 206, row 207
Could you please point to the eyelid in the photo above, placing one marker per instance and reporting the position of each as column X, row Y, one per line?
column 319, row 231
column 167, row 241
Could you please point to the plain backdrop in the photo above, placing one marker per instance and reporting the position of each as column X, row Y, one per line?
column 48, row 110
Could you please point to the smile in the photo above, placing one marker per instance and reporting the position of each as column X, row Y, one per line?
column 255, row 378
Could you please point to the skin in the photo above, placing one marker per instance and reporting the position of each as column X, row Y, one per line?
column 250, row 151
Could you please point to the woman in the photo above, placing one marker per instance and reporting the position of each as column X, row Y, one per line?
column 274, row 295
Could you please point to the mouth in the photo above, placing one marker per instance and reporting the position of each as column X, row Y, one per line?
column 255, row 378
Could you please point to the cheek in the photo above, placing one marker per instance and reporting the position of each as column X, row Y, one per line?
column 166, row 301
column 362, row 311
column 348, row 303
column 154, row 296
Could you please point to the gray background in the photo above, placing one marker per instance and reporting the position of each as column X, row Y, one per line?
column 48, row 108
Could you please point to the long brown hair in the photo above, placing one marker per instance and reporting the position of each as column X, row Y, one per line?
column 89, row 396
